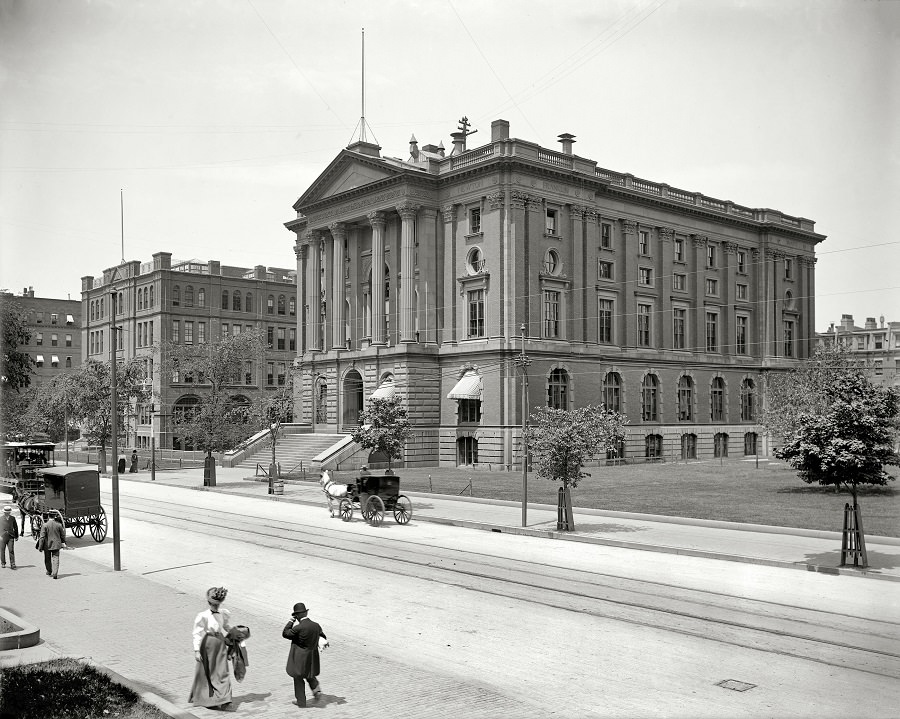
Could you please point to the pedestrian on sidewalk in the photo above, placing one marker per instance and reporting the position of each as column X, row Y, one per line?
column 303, row 658
column 9, row 533
column 53, row 532
column 134, row 462
column 212, row 678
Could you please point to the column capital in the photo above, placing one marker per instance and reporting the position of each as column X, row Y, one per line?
column 376, row 219
column 699, row 240
column 731, row 248
column 311, row 236
column 577, row 211
column 300, row 249
column 408, row 210
column 754, row 253
column 629, row 227
column 338, row 230
column 666, row 234
column 449, row 212
column 496, row 199
column 774, row 255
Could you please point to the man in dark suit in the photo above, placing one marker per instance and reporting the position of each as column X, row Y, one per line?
column 53, row 532
column 303, row 659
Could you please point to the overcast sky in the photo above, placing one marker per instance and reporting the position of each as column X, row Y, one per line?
column 215, row 116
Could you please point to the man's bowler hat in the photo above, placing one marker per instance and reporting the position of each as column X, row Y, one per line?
column 299, row 608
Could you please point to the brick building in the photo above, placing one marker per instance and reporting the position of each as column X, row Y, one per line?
column 877, row 344
column 429, row 276
column 188, row 302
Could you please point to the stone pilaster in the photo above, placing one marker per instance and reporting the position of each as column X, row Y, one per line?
column 699, row 243
column 313, row 291
column 376, row 288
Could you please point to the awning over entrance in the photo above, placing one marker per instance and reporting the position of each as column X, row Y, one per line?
column 385, row 390
column 468, row 387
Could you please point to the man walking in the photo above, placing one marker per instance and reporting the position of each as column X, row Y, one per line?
column 53, row 532
column 9, row 533
column 303, row 658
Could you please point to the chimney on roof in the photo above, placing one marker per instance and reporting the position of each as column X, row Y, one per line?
column 413, row 148
column 566, row 140
column 870, row 323
column 847, row 322
column 499, row 130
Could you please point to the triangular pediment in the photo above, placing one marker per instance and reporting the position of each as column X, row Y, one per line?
column 347, row 171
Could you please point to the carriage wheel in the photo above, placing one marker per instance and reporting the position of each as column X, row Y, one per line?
column 375, row 508
column 346, row 510
column 36, row 523
column 98, row 526
column 78, row 527
column 402, row 509
column 364, row 509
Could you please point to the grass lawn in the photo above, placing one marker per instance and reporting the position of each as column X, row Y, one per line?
column 67, row 689
column 734, row 491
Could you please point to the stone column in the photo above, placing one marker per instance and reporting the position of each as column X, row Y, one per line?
column 758, row 316
column 626, row 281
column 576, row 312
column 376, row 287
column 338, row 329
column 407, row 272
column 664, row 282
column 427, row 282
column 449, row 329
column 728, row 295
column 699, row 243
column 771, row 303
column 300, row 250
column 313, row 305
column 807, row 268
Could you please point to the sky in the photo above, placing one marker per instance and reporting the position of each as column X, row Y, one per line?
column 206, row 119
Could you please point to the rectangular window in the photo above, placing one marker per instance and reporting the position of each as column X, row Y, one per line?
column 644, row 242
column 201, row 333
column 643, row 325
column 270, row 337
column 712, row 332
column 469, row 411
column 679, row 282
column 604, row 270
column 248, row 372
column 710, row 255
column 188, row 332
column 551, row 313
column 860, row 343
column 39, row 338
column 551, row 222
column 788, row 338
column 281, row 338
column 68, row 340
column 741, row 292
column 150, row 327
column 54, row 340
column 879, row 341
column 605, row 316
column 292, row 338
column 879, row 367
column 679, row 249
column 270, row 373
column 225, row 331
column 605, row 235
column 68, row 363
column 176, row 331
column 474, row 221
column 788, row 269
column 54, row 318
column 645, row 276
column 740, row 340
column 235, row 330
column 712, row 287
column 281, row 373
column 742, row 262
column 39, row 317
column 679, row 323
column 476, row 313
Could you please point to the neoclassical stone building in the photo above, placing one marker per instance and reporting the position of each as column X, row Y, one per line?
column 429, row 277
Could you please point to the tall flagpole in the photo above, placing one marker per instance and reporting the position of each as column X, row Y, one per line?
column 362, row 117
column 122, row 216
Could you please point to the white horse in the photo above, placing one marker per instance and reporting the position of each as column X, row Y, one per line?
column 333, row 492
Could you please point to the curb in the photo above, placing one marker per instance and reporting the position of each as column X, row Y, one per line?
column 28, row 635
column 664, row 549
column 164, row 705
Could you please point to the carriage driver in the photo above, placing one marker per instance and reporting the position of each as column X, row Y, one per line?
column 9, row 533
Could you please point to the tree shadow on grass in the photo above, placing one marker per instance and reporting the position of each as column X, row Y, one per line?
column 584, row 527
column 832, row 559
column 816, row 489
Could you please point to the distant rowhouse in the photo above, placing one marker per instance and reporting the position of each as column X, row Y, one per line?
column 430, row 277
column 877, row 344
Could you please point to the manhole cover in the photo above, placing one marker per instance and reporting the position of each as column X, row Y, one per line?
column 735, row 685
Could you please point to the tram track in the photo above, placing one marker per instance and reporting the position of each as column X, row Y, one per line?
column 767, row 626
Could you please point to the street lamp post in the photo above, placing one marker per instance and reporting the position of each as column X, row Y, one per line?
column 117, row 558
column 523, row 362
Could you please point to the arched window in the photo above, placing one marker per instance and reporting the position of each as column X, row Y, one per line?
column 717, row 400
column 292, row 307
column 201, row 297
column 236, row 301
column 226, row 298
column 689, row 446
column 649, row 398
column 720, row 445
column 151, row 296
column 612, row 391
column 653, row 447
column 558, row 389
column 140, row 299
column 91, row 305
column 685, row 399
column 270, row 305
column 281, row 304
column 248, row 305
column 748, row 401
column 750, row 443
column 189, row 296
column 176, row 296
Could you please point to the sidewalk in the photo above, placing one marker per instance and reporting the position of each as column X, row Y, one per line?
column 808, row 550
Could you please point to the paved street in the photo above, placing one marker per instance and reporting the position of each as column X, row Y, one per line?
column 431, row 619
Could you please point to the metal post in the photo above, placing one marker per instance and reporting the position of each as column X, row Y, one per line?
column 117, row 559
column 66, row 430
column 152, row 458
column 523, row 360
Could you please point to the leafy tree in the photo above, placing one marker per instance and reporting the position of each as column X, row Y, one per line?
column 832, row 424
column 561, row 441
column 19, row 422
column 269, row 412
column 383, row 427
column 54, row 405
column 216, row 423
column 17, row 368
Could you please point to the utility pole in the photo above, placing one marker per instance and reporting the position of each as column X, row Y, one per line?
column 117, row 559
column 523, row 361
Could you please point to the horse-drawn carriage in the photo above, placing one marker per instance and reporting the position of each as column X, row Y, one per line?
column 371, row 494
column 73, row 492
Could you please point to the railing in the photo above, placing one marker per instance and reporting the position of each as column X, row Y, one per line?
column 471, row 158
column 555, row 158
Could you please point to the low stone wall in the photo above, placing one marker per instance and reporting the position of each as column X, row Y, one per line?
column 16, row 633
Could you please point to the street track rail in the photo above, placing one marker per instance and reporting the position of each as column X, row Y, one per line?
column 868, row 645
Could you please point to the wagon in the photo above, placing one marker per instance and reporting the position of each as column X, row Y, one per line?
column 74, row 492
column 373, row 495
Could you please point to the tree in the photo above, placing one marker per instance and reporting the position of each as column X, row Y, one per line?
column 383, row 427
column 54, row 406
column 561, row 442
column 831, row 423
column 269, row 412
column 16, row 369
column 216, row 423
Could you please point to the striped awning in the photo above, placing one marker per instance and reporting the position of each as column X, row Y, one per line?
column 468, row 387
column 54, row 359
column 40, row 359
column 384, row 391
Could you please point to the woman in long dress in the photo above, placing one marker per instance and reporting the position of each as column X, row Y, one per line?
column 212, row 677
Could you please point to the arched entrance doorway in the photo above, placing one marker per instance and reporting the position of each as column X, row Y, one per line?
column 353, row 399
